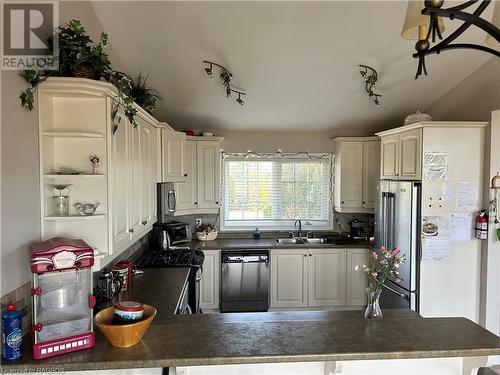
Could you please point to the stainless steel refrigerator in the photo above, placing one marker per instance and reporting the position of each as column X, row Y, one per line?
column 397, row 213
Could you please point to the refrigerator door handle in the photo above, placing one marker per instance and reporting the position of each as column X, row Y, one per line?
column 402, row 295
column 384, row 219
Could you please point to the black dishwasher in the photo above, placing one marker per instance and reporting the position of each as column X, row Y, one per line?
column 244, row 280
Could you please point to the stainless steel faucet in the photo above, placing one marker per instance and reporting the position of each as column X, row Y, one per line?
column 299, row 233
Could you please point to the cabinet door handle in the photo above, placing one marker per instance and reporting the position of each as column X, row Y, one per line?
column 342, row 202
column 185, row 174
column 216, row 202
column 310, row 255
column 144, row 222
column 131, row 230
column 364, row 202
column 305, row 255
column 195, row 202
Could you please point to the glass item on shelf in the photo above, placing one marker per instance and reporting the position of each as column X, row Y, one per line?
column 86, row 209
column 60, row 199
column 373, row 310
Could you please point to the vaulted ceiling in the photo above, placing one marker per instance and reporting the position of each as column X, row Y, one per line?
column 298, row 62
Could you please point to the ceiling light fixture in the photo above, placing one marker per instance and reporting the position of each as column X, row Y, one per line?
column 420, row 24
column 370, row 77
column 226, row 77
column 210, row 72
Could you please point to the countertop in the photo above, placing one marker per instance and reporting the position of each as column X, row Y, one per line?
column 215, row 339
column 267, row 243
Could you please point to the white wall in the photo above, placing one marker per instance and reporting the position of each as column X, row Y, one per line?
column 19, row 163
column 473, row 99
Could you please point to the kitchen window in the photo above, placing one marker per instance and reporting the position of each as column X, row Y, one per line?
column 270, row 192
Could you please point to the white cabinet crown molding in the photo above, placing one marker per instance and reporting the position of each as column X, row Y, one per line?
column 434, row 124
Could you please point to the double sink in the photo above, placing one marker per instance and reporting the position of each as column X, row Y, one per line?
column 301, row 241
column 337, row 238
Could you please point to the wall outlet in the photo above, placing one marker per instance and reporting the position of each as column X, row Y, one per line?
column 198, row 222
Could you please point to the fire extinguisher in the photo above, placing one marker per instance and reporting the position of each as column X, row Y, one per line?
column 482, row 225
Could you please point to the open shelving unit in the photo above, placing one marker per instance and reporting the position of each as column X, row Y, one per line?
column 72, row 126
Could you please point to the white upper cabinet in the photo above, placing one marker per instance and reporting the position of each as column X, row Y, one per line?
column 390, row 157
column 356, row 173
column 410, row 162
column 172, row 155
column 120, row 183
column 351, row 172
column 208, row 171
column 401, row 155
column 75, row 121
column 186, row 190
column 199, row 192
column 327, row 277
column 371, row 168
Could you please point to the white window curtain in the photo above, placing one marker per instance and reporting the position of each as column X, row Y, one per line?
column 271, row 192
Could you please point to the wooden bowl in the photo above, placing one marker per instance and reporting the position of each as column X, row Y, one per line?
column 123, row 335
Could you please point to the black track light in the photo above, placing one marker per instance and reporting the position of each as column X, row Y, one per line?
column 209, row 71
column 225, row 76
column 239, row 100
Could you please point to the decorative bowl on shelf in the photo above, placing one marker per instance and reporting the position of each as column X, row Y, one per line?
column 86, row 209
column 124, row 335
column 207, row 236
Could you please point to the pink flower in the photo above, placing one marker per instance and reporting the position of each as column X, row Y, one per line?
column 374, row 255
column 395, row 251
column 398, row 280
column 374, row 274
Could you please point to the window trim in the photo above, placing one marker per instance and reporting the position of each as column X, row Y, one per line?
column 271, row 228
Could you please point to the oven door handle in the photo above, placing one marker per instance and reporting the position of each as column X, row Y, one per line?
column 402, row 295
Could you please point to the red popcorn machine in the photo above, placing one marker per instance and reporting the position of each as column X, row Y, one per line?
column 62, row 296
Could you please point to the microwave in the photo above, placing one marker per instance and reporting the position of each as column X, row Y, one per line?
column 166, row 201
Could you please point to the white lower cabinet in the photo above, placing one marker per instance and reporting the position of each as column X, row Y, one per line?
column 289, row 278
column 210, row 283
column 327, row 277
column 317, row 277
column 356, row 280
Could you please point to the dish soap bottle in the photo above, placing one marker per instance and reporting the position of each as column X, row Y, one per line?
column 256, row 234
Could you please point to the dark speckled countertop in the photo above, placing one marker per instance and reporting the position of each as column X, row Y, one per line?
column 215, row 339
column 267, row 243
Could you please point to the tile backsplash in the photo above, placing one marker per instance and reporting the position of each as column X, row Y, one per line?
column 343, row 218
column 21, row 297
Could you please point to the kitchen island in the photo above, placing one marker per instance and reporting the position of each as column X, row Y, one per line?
column 253, row 338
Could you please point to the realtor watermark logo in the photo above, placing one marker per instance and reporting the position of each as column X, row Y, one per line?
column 27, row 27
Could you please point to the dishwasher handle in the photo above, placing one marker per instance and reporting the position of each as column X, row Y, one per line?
column 245, row 258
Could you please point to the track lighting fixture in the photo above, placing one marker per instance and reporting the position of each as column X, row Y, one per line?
column 226, row 77
column 370, row 76
column 239, row 100
column 210, row 72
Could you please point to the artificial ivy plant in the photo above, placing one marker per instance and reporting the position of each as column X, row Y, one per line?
column 79, row 56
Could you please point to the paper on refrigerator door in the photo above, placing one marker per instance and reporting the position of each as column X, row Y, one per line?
column 461, row 226
column 435, row 238
column 467, row 196
column 435, row 166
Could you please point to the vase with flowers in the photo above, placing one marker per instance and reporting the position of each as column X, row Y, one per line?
column 383, row 265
